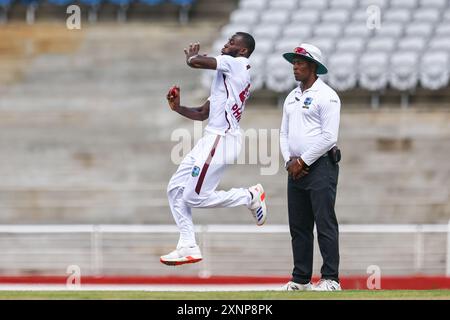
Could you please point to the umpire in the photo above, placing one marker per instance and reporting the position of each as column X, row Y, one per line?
column 308, row 136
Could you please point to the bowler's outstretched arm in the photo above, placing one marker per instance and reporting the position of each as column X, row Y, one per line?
column 195, row 60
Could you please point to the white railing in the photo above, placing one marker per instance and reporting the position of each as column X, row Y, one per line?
column 400, row 248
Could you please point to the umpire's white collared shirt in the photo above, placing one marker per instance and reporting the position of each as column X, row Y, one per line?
column 310, row 123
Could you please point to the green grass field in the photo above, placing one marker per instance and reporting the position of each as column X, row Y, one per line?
column 238, row 295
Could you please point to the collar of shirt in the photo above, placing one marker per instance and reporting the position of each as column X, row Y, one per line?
column 315, row 87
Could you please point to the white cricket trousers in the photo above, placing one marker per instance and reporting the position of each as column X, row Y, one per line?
column 194, row 183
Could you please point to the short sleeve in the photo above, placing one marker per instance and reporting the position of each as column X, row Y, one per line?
column 225, row 63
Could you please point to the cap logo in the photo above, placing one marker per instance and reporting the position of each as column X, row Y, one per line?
column 303, row 52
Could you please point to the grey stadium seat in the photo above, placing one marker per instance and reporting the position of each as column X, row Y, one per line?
column 325, row 44
column 266, row 31
column 305, row 16
column 279, row 17
column 415, row 44
column 426, row 14
column 379, row 3
column 354, row 44
column 433, row 3
column 446, row 15
column 336, row 15
column 217, row 46
column 404, row 4
column 316, row 4
column 228, row 30
column 422, row 29
column 385, row 44
column 347, row 4
column 343, row 71
column 357, row 29
column 244, row 16
column 434, row 70
column 403, row 69
column 279, row 73
column 253, row 4
column 440, row 43
column 283, row 4
column 327, row 30
column 264, row 46
column 443, row 29
column 397, row 15
column 373, row 68
column 392, row 29
column 287, row 45
column 257, row 70
column 297, row 31
column 359, row 15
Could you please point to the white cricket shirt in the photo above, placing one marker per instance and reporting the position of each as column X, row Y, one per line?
column 310, row 123
column 229, row 91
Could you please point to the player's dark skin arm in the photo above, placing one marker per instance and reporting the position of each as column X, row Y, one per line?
column 194, row 60
column 199, row 113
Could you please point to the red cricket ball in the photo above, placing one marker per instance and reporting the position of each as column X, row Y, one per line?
column 174, row 91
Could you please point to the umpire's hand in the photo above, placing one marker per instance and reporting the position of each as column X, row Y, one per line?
column 297, row 168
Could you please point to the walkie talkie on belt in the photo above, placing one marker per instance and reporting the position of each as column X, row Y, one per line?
column 335, row 154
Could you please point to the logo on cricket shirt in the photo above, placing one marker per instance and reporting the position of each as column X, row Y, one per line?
column 307, row 103
column 292, row 101
column 195, row 171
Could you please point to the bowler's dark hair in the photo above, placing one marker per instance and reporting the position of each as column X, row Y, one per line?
column 249, row 41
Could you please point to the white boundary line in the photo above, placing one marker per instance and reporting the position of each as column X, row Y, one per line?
column 152, row 288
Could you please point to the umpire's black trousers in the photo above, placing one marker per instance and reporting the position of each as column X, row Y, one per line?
column 311, row 199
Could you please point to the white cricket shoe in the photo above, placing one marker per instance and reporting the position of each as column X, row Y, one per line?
column 182, row 255
column 258, row 204
column 292, row 286
column 327, row 285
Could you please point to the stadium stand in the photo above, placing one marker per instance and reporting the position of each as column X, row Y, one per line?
column 99, row 168
column 94, row 6
column 341, row 76
column 339, row 29
column 434, row 71
column 101, row 156
column 382, row 4
column 374, row 67
column 403, row 75
column 121, row 10
column 278, row 74
column 122, row 6
column 4, row 7
column 31, row 6
column 59, row 2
